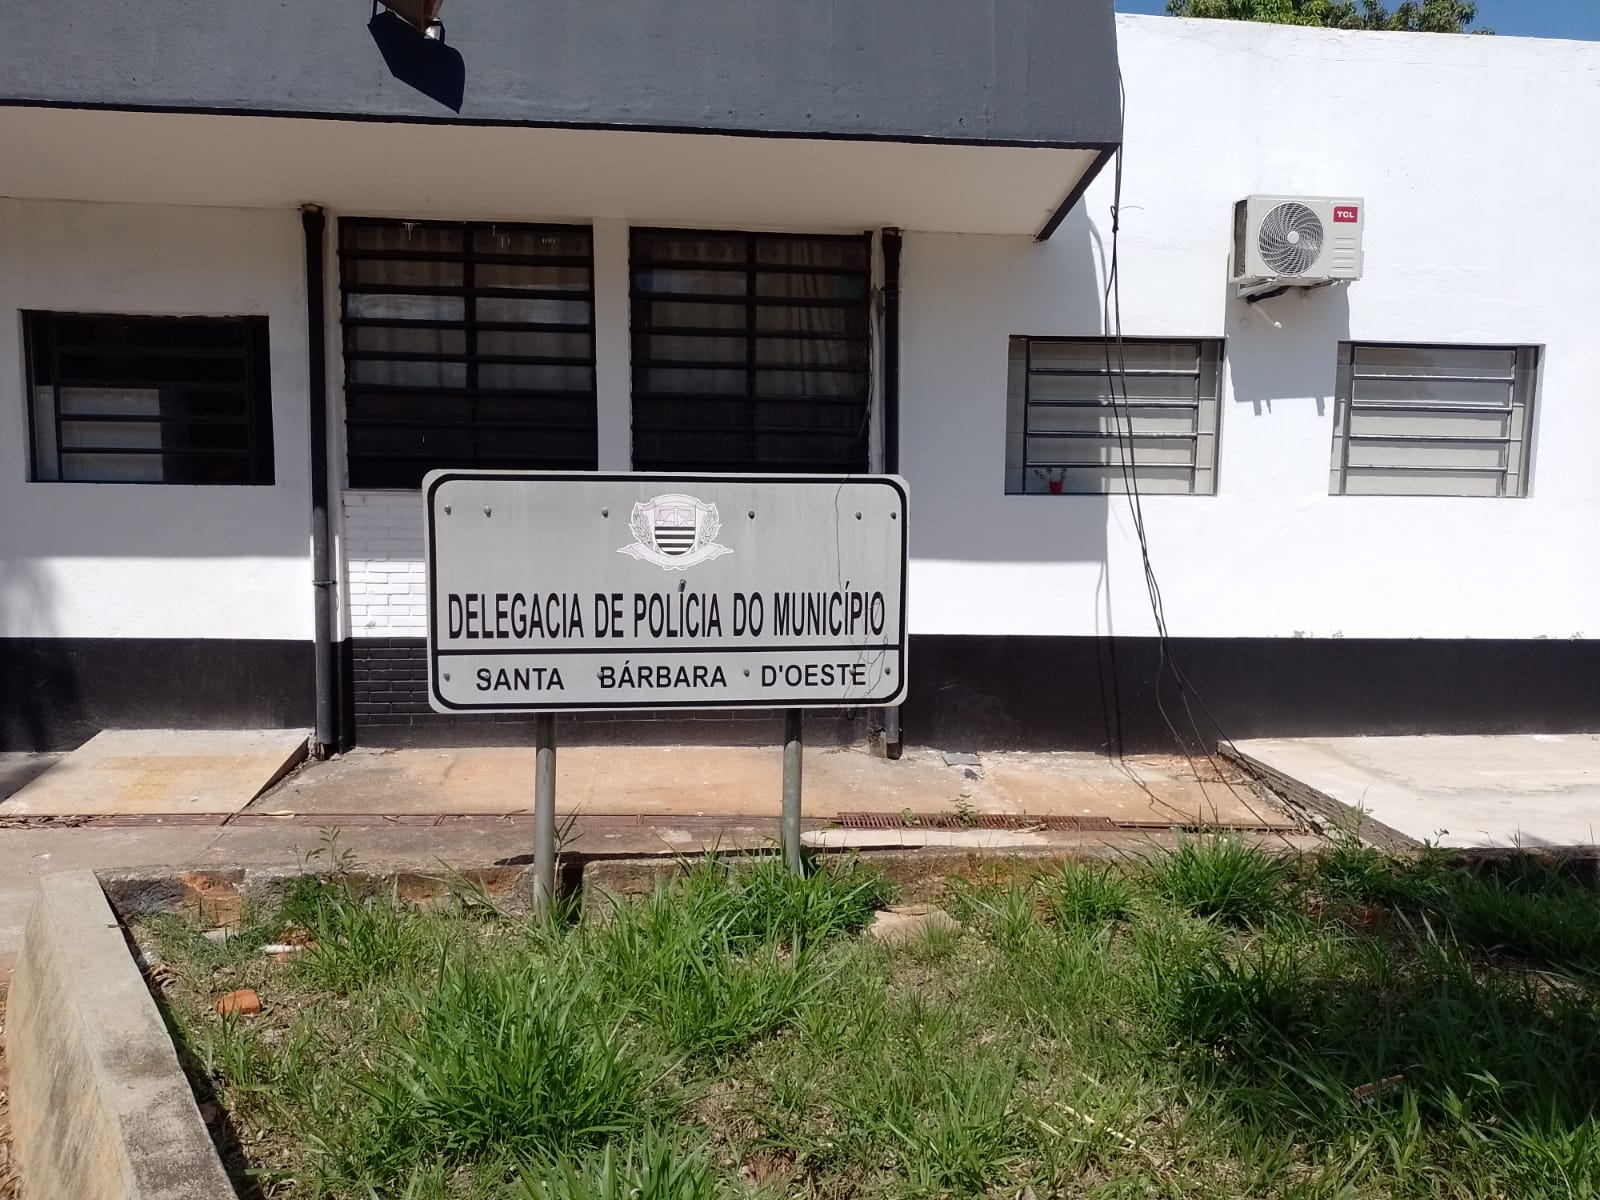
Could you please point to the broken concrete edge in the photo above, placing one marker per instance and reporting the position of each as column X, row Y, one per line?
column 222, row 897
column 1319, row 809
column 921, row 874
column 302, row 755
column 100, row 1106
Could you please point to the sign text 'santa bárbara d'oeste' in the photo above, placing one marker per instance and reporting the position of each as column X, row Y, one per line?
column 584, row 591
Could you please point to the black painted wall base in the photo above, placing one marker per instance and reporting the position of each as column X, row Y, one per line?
column 57, row 693
column 1102, row 693
column 1092, row 694
column 993, row 693
column 390, row 708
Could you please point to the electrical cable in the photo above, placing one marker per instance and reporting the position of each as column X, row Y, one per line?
column 1117, row 378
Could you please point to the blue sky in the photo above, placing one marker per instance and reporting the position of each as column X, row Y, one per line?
column 1519, row 18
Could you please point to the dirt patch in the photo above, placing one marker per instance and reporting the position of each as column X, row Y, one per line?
column 10, row 1184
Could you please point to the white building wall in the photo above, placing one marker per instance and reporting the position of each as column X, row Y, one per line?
column 384, row 575
column 1463, row 149
column 1475, row 186
column 86, row 560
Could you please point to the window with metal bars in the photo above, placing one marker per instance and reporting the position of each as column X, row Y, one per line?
column 466, row 345
column 1086, row 415
column 751, row 351
column 134, row 399
column 1433, row 420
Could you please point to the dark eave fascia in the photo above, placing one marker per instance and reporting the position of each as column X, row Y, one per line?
column 1108, row 151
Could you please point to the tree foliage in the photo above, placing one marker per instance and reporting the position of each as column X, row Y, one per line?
column 1413, row 16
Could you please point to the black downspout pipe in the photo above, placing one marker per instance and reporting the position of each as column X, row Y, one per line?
column 891, row 351
column 325, row 738
column 893, row 735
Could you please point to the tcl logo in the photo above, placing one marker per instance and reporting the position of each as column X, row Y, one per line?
column 1346, row 214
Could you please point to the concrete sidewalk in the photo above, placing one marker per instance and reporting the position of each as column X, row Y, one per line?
column 159, row 771
column 658, row 782
column 18, row 768
column 1534, row 790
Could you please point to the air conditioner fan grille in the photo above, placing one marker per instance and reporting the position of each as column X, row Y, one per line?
column 1290, row 239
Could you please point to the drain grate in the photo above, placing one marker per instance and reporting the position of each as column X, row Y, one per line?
column 330, row 820
column 111, row 820
column 872, row 820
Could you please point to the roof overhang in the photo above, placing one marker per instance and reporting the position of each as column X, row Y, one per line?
column 958, row 96
column 498, row 171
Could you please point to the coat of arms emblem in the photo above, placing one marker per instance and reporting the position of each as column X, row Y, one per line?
column 675, row 532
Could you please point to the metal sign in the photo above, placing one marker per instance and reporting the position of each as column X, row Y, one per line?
column 560, row 592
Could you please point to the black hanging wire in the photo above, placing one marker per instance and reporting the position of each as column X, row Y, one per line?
column 1121, row 410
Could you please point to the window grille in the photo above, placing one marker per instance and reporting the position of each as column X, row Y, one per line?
column 1433, row 420
column 1068, row 429
column 467, row 345
column 751, row 351
column 136, row 399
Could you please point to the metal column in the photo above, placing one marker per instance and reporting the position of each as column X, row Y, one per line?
column 544, row 813
column 793, row 748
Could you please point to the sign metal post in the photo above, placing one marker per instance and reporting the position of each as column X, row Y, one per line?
column 571, row 592
column 793, row 747
column 544, row 813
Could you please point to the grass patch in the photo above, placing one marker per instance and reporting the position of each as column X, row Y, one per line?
column 1223, row 878
column 1212, row 1023
column 1089, row 894
column 496, row 1057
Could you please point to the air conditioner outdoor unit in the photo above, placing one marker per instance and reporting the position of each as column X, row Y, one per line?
column 1296, row 241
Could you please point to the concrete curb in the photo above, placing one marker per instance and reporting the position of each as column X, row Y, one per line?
column 920, row 862
column 100, row 1107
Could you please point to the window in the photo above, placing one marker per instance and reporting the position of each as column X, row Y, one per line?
column 118, row 399
column 1433, row 420
column 751, row 351
column 1069, row 430
column 466, row 345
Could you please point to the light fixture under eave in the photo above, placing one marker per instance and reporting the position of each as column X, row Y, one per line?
column 421, row 15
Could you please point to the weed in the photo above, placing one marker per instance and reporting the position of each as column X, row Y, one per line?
column 1089, row 894
column 1242, row 1007
column 495, row 1061
column 1539, row 917
column 330, row 849
column 1223, row 879
column 962, row 1138
column 766, row 903
column 179, row 940
column 470, row 896
column 650, row 1167
column 1348, row 872
column 230, row 1050
column 966, row 812
column 356, row 940
column 934, row 944
column 1009, row 915
column 704, row 1000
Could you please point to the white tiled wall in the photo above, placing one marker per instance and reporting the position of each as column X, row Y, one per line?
column 383, row 564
